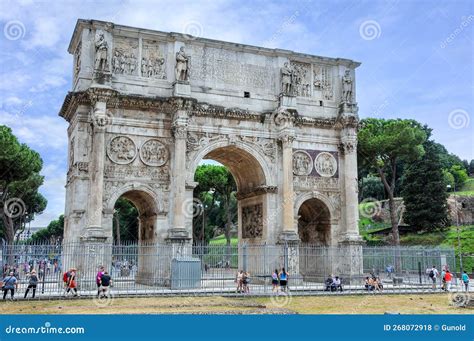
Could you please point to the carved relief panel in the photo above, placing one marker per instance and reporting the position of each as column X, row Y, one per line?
column 301, row 74
column 325, row 163
column 125, row 56
column 121, row 150
column 138, row 157
column 323, row 81
column 252, row 221
column 153, row 63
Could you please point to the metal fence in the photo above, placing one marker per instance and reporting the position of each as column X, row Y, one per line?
column 157, row 269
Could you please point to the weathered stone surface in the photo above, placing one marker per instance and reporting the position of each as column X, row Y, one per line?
column 146, row 107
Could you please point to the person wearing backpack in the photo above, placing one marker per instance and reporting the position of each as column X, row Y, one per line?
column 465, row 280
column 32, row 283
column 9, row 284
column 433, row 274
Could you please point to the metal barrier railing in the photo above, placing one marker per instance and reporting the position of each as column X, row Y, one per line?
column 156, row 269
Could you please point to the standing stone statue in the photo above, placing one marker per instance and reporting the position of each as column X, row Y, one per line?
column 347, row 87
column 182, row 65
column 287, row 80
column 101, row 49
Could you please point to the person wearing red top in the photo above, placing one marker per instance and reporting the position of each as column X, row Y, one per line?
column 448, row 276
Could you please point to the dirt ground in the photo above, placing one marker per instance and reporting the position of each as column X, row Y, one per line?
column 359, row 304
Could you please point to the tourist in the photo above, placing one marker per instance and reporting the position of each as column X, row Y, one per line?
column 448, row 276
column 105, row 283
column 238, row 281
column 328, row 283
column 98, row 277
column 369, row 283
column 433, row 274
column 337, row 284
column 246, row 281
column 389, row 270
column 378, row 284
column 71, row 282
column 283, row 280
column 32, row 283
column 275, row 280
column 443, row 279
column 9, row 284
column 465, row 280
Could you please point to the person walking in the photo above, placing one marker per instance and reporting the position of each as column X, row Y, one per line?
column 275, row 280
column 98, row 277
column 283, row 280
column 71, row 282
column 465, row 280
column 32, row 283
column 433, row 275
column 443, row 279
column 448, row 277
column 9, row 284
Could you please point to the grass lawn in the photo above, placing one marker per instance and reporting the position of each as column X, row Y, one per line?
column 467, row 189
column 358, row 304
column 220, row 240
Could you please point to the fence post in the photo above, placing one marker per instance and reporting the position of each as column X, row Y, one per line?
column 244, row 257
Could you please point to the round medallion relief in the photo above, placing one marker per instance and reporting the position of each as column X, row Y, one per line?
column 122, row 150
column 154, row 153
column 325, row 164
column 302, row 163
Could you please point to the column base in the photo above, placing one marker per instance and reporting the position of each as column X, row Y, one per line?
column 102, row 77
column 178, row 235
column 181, row 89
column 287, row 101
column 288, row 237
column 94, row 234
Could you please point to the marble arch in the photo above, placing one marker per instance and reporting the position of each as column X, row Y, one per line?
column 146, row 106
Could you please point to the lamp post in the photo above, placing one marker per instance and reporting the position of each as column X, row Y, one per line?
column 457, row 225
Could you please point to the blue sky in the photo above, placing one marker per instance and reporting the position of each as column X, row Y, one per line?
column 417, row 59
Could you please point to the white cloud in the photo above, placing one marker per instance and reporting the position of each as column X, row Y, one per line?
column 42, row 132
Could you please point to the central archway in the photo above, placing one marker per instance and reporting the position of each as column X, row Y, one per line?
column 254, row 198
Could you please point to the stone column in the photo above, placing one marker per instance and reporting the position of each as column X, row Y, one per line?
column 287, row 185
column 180, row 124
column 100, row 120
column 349, row 148
column 94, row 250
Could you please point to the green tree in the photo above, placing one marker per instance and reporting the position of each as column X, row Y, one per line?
column 125, row 223
column 372, row 187
column 216, row 186
column 53, row 232
column 471, row 168
column 424, row 192
column 448, row 178
column 19, row 183
column 382, row 144
column 460, row 176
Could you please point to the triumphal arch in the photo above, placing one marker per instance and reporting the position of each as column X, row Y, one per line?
column 146, row 107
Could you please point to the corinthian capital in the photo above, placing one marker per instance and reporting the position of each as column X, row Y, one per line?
column 348, row 144
column 286, row 139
